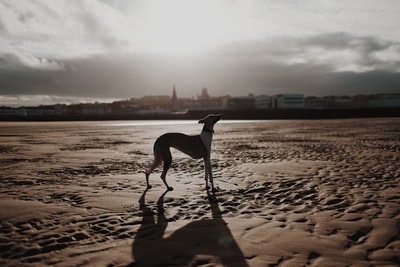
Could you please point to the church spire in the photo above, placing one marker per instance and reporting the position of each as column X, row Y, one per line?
column 174, row 97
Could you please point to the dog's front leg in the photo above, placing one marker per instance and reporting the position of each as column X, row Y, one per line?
column 208, row 173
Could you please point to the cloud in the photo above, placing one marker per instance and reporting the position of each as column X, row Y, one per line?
column 341, row 51
column 355, row 53
column 98, row 76
column 62, row 29
column 15, row 61
column 68, row 29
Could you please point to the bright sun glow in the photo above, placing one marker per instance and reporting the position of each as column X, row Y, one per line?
column 182, row 27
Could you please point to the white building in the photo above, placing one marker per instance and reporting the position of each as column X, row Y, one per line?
column 12, row 112
column 287, row 101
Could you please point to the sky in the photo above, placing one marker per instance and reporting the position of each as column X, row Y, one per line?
column 62, row 51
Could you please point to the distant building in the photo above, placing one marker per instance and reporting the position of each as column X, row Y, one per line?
column 262, row 102
column 157, row 101
column 153, row 111
column 213, row 103
column 124, row 107
column 384, row 101
column 50, row 110
column 344, row 102
column 243, row 102
column 315, row 102
column 328, row 102
column 204, row 95
column 95, row 109
column 287, row 101
column 190, row 103
column 13, row 112
column 205, row 102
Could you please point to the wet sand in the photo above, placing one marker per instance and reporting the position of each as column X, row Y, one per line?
column 290, row 193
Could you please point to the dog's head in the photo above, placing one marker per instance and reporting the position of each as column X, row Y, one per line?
column 210, row 120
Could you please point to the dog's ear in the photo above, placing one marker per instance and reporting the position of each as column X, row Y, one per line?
column 203, row 120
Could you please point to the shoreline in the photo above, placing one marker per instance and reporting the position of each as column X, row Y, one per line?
column 268, row 114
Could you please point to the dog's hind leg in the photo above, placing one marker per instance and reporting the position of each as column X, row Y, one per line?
column 157, row 160
column 167, row 158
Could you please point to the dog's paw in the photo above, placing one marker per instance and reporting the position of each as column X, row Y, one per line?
column 214, row 190
column 213, row 199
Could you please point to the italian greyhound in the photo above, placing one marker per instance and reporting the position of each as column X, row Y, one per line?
column 196, row 146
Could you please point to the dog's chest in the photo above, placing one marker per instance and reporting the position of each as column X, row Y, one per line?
column 206, row 138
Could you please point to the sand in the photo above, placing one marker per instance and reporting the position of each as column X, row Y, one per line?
column 290, row 193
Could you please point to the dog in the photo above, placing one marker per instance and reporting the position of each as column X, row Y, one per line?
column 196, row 146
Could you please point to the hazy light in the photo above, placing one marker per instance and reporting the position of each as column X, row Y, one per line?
column 184, row 27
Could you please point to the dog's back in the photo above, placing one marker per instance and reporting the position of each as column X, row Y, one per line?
column 187, row 144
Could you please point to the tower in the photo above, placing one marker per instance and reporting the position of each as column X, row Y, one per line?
column 204, row 94
column 174, row 97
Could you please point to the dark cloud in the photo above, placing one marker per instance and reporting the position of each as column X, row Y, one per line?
column 282, row 65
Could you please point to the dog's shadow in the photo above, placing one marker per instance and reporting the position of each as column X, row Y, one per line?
column 207, row 241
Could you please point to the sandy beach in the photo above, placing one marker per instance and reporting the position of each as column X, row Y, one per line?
column 290, row 193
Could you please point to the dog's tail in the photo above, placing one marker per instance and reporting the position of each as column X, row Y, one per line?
column 157, row 159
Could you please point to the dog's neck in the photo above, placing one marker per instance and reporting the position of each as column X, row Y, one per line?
column 206, row 137
column 207, row 129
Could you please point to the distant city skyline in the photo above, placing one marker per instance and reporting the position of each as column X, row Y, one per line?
column 104, row 50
